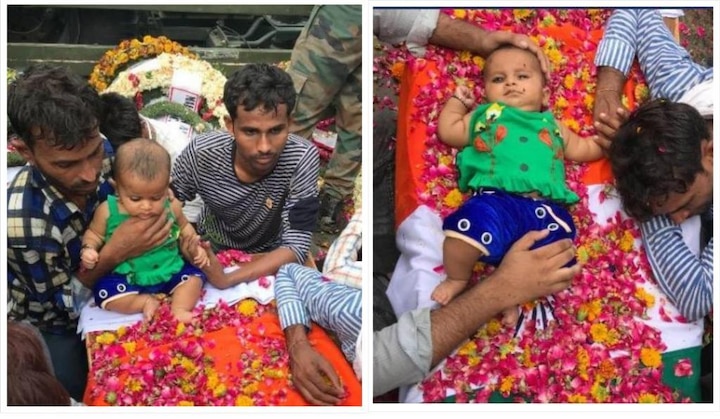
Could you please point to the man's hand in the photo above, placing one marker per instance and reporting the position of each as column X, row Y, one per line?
column 539, row 272
column 135, row 237
column 608, row 114
column 313, row 376
column 493, row 40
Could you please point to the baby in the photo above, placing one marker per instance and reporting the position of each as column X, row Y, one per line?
column 512, row 159
column 142, row 175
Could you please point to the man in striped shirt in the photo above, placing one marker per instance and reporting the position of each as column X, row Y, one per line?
column 258, row 181
column 671, row 74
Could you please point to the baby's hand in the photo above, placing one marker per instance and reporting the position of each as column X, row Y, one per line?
column 89, row 258
column 465, row 95
column 201, row 259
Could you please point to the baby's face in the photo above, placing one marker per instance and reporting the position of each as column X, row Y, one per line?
column 513, row 76
column 140, row 197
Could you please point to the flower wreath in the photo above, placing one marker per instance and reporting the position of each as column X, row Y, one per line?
column 153, row 79
column 129, row 51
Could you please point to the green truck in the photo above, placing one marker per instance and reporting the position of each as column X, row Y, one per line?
column 227, row 35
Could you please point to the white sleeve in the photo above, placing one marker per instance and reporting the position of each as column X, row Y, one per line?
column 413, row 26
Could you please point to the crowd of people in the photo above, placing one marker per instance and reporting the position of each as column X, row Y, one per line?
column 106, row 203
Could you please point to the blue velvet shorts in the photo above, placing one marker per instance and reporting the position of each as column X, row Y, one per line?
column 492, row 220
column 112, row 286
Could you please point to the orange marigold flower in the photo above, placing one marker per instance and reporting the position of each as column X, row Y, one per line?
column 506, row 384
column 243, row 400
column 599, row 333
column 606, row 370
column 650, row 357
column 577, row 398
column 398, row 69
column 453, row 199
column 648, row 398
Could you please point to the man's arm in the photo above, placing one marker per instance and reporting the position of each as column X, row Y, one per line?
column 308, row 367
column 406, row 351
column 419, row 27
column 613, row 59
column 682, row 276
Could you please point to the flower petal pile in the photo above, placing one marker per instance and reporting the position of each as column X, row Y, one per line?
column 598, row 349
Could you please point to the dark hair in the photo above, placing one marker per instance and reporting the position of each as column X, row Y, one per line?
column 120, row 121
column 655, row 152
column 35, row 388
column 63, row 105
column 508, row 47
column 30, row 376
column 26, row 349
column 142, row 157
column 259, row 85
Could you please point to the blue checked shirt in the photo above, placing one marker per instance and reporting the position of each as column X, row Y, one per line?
column 44, row 241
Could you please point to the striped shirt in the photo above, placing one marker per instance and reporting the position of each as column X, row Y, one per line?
column 303, row 295
column 681, row 275
column 44, row 240
column 668, row 68
column 341, row 265
column 279, row 210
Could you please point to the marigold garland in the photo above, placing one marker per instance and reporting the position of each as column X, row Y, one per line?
column 602, row 341
column 129, row 51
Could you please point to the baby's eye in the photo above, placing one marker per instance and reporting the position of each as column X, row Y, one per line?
column 497, row 79
column 135, row 198
column 523, row 76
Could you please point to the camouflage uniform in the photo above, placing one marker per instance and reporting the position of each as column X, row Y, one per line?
column 326, row 69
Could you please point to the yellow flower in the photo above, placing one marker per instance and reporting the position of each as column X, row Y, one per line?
column 468, row 349
column 220, row 390
column 572, row 124
column 134, row 385
column 521, row 14
column 627, row 242
column 465, row 56
column 478, row 61
column 129, row 347
column 273, row 373
column 583, row 362
column 256, row 364
column 650, row 357
column 453, row 199
column 243, row 400
column 645, row 297
column 187, row 387
column 599, row 392
column 506, row 384
column 473, row 361
column 460, row 13
column 212, row 381
column 188, row 365
column 569, row 81
column 648, row 398
column 527, row 357
column 561, row 103
column 589, row 101
column 247, row 307
column 186, row 403
column 180, row 329
column 493, row 327
column 599, row 332
column 445, row 160
column 250, row 389
column 106, row 338
column 121, row 331
column 554, row 56
column 577, row 398
column 642, row 92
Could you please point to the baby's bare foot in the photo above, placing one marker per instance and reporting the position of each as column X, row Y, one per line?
column 183, row 316
column 150, row 307
column 447, row 290
column 510, row 317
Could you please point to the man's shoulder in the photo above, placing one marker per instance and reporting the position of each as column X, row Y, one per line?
column 27, row 210
column 212, row 139
column 298, row 145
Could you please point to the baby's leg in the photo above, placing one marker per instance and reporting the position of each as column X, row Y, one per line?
column 459, row 259
column 185, row 297
column 134, row 303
